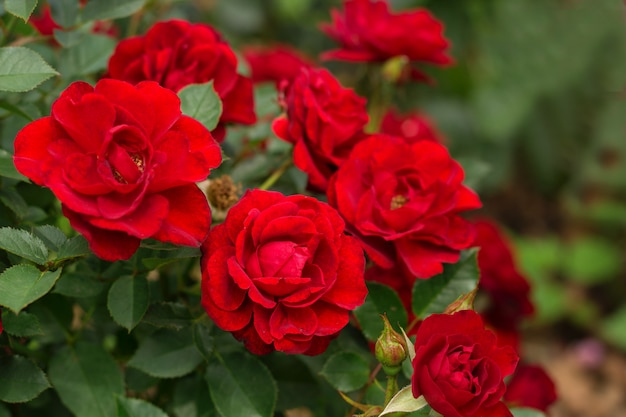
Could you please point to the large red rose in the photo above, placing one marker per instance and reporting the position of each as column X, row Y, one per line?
column 323, row 120
column 403, row 200
column 274, row 63
column 280, row 274
column 507, row 290
column 367, row 31
column 123, row 160
column 458, row 368
column 176, row 53
column 531, row 387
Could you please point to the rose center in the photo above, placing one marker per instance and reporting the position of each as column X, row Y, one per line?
column 126, row 167
column 398, row 201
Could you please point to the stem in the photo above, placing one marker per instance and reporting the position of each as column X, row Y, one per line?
column 271, row 180
column 8, row 28
column 392, row 388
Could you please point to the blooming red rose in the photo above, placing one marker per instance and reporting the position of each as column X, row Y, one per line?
column 411, row 126
column 280, row 274
column 323, row 120
column 123, row 160
column 458, row 368
column 367, row 31
column 45, row 24
column 402, row 200
column 531, row 387
column 276, row 63
column 507, row 289
column 176, row 53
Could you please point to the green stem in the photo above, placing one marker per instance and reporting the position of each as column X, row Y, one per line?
column 8, row 28
column 271, row 180
column 392, row 388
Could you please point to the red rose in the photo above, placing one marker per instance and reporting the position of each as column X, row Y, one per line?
column 280, row 274
column 323, row 120
column 458, row 368
column 531, row 387
column 275, row 63
column 123, row 160
column 402, row 200
column 507, row 289
column 368, row 31
column 176, row 53
column 411, row 126
column 45, row 24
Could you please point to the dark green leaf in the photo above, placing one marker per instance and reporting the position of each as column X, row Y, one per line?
column 167, row 354
column 297, row 387
column 20, row 380
column 77, row 285
column 434, row 294
column 87, row 380
column 24, row 244
column 7, row 168
column 15, row 110
column 241, row 385
column 201, row 102
column 380, row 299
column 190, row 399
column 168, row 315
column 128, row 300
column 170, row 256
column 4, row 412
column 73, row 248
column 612, row 328
column 21, row 325
column 133, row 407
column 89, row 56
column 203, row 340
column 20, row 8
column 21, row 284
column 52, row 237
column 346, row 371
column 22, row 69
column 111, row 9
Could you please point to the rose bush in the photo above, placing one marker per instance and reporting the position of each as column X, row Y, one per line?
column 323, row 120
column 280, row 274
column 403, row 200
column 176, row 53
column 458, row 368
column 123, row 160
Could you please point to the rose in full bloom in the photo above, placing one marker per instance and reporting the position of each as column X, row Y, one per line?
column 275, row 63
column 506, row 288
column 531, row 387
column 367, row 31
column 458, row 368
column 323, row 120
column 124, row 161
column 403, row 201
column 411, row 126
column 280, row 274
column 177, row 53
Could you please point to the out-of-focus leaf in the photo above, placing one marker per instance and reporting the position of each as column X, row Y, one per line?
column 20, row 379
column 64, row 12
column 89, row 56
column 77, row 285
column 20, row 8
column 346, row 371
column 526, row 412
column 22, row 69
column 612, row 328
column 591, row 261
column 111, row 9
column 7, row 168
column 172, row 316
column 134, row 407
column 22, row 284
column 21, row 325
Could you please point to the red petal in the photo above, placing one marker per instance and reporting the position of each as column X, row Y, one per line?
column 349, row 290
column 31, row 148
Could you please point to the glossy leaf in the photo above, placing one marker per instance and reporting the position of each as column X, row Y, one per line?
column 22, row 69
column 87, row 380
column 241, row 385
column 380, row 299
column 20, row 380
column 433, row 295
column 134, row 407
column 201, row 102
column 22, row 284
column 128, row 300
column 346, row 371
column 24, row 244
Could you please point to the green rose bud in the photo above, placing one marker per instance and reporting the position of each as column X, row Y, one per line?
column 390, row 349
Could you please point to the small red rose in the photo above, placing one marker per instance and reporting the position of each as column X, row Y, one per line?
column 411, row 126
column 367, row 31
column 458, row 367
column 531, row 387
column 124, row 161
column 323, row 120
column 280, row 274
column 403, row 201
column 275, row 63
column 176, row 53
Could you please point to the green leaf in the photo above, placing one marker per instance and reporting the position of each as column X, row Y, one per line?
column 172, row 316
column 167, row 354
column 612, row 328
column 87, row 57
column 380, row 299
column 78, row 285
column 21, row 325
column 20, row 8
column 346, row 371
column 22, row 284
column 133, row 407
column 87, row 379
column 591, row 261
column 526, row 412
column 201, row 102
column 24, row 244
column 190, row 399
column 52, row 237
column 73, row 248
column 433, row 295
column 111, row 9
column 128, row 300
column 404, row 402
column 22, row 69
column 241, row 385
column 169, row 256
column 64, row 12
column 204, row 340
column 4, row 412
column 20, row 380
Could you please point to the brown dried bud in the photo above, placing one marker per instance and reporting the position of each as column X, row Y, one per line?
column 223, row 193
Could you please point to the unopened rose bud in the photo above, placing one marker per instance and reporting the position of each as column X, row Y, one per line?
column 464, row 302
column 397, row 69
column 390, row 349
